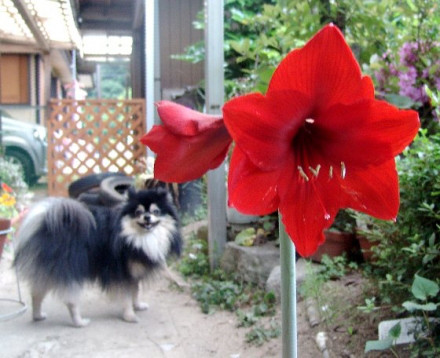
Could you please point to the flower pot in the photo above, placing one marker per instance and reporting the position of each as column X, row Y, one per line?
column 5, row 224
column 366, row 246
column 336, row 243
column 235, row 217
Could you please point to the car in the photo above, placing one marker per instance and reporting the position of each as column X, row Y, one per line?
column 25, row 144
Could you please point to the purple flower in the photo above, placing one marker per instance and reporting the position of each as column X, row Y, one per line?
column 409, row 53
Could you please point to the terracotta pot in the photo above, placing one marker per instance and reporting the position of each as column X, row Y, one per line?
column 5, row 224
column 336, row 243
column 366, row 246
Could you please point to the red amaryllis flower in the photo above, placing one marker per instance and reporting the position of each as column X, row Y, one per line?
column 316, row 142
column 188, row 144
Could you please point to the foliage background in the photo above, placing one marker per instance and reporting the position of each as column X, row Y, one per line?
column 397, row 43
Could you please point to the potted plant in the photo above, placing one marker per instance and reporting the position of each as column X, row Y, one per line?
column 339, row 238
column 364, row 224
column 7, row 212
column 13, row 192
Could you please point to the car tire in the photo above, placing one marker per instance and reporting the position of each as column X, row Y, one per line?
column 25, row 162
column 113, row 190
column 90, row 198
column 90, row 182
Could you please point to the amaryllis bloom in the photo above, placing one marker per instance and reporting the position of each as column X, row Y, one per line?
column 188, row 144
column 316, row 142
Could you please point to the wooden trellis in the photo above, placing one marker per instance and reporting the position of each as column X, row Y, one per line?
column 93, row 136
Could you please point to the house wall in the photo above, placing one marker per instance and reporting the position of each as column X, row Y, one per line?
column 176, row 32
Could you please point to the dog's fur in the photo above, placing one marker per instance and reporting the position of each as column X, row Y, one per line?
column 63, row 244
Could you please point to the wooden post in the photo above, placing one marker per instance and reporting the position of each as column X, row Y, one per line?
column 214, row 88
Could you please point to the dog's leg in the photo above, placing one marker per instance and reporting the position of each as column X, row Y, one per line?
column 128, row 314
column 72, row 303
column 174, row 278
column 138, row 305
column 37, row 300
column 75, row 314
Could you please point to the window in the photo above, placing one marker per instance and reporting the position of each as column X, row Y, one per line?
column 14, row 79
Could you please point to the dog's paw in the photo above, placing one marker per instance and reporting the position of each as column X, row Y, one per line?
column 130, row 317
column 140, row 306
column 39, row 317
column 78, row 323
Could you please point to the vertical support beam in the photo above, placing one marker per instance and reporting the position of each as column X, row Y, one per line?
column 214, row 88
column 149, row 27
column 288, row 293
column 157, row 81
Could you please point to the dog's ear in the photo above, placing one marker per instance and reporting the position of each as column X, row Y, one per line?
column 131, row 191
column 164, row 193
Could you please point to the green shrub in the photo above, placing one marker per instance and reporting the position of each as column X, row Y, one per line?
column 411, row 245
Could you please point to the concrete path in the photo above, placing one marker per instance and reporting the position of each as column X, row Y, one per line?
column 173, row 327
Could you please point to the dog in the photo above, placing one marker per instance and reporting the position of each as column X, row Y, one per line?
column 62, row 244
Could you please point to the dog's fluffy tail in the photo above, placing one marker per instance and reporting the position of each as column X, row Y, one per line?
column 57, row 217
column 52, row 241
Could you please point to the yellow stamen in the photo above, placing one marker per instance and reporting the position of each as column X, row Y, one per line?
column 343, row 170
column 315, row 171
column 302, row 173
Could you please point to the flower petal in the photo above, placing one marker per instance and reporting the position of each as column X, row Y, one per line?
column 183, row 158
column 7, row 188
column 263, row 126
column 250, row 190
column 368, row 132
column 184, row 121
column 325, row 69
column 373, row 190
column 306, row 210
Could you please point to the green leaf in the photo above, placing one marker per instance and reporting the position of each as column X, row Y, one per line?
column 246, row 237
column 412, row 306
column 395, row 331
column 399, row 101
column 432, row 240
column 422, row 288
column 411, row 5
column 379, row 345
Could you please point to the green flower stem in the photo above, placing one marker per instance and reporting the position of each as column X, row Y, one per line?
column 288, row 293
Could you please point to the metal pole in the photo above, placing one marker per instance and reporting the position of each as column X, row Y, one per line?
column 149, row 9
column 157, row 79
column 214, row 80
column 288, row 293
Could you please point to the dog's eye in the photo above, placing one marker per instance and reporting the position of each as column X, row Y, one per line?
column 138, row 212
column 155, row 212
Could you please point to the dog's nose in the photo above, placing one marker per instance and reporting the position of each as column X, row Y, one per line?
column 147, row 218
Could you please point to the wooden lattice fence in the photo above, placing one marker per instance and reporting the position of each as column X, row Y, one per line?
column 93, row 136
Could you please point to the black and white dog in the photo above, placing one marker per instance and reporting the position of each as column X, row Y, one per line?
column 63, row 244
